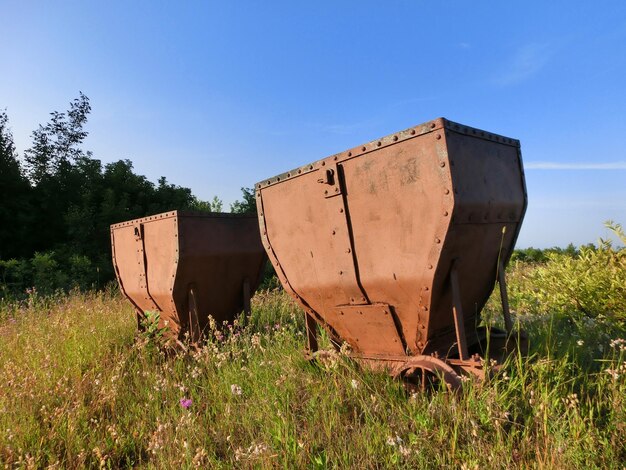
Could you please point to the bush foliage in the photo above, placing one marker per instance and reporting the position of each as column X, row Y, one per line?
column 588, row 282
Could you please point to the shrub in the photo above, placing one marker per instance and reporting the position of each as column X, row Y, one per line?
column 592, row 284
column 81, row 271
column 47, row 277
column 14, row 275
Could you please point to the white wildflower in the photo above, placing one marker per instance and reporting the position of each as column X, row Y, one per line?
column 394, row 441
column 618, row 343
column 345, row 349
column 253, row 451
column 571, row 401
column 256, row 341
column 405, row 451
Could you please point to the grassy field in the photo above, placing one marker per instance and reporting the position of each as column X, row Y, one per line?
column 80, row 388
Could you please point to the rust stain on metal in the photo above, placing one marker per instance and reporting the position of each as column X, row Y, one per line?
column 187, row 266
column 421, row 222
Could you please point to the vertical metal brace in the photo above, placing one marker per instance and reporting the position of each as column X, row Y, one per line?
column 457, row 311
column 332, row 187
column 138, row 311
column 138, row 231
column 504, row 296
column 192, row 312
column 143, row 279
column 247, row 310
column 311, row 333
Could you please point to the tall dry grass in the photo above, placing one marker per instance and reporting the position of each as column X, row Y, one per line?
column 79, row 388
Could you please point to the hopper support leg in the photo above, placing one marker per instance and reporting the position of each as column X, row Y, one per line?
column 504, row 296
column 457, row 311
column 311, row 334
column 140, row 320
column 193, row 325
column 247, row 310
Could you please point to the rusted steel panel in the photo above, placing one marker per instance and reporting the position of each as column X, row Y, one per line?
column 187, row 266
column 383, row 223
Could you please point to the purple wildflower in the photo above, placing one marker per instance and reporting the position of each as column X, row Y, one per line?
column 185, row 402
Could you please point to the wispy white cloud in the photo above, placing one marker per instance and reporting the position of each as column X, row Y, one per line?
column 526, row 62
column 574, row 166
column 605, row 204
column 464, row 45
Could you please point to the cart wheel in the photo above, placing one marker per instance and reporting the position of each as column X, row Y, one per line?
column 420, row 372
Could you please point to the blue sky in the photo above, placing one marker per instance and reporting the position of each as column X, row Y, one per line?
column 219, row 95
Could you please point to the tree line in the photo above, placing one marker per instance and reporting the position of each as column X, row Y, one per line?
column 57, row 202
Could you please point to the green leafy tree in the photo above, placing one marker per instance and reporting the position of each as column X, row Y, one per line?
column 53, row 164
column 58, row 143
column 247, row 205
column 214, row 205
column 15, row 193
column 169, row 196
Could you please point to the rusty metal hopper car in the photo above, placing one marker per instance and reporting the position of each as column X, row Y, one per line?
column 187, row 266
column 395, row 246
